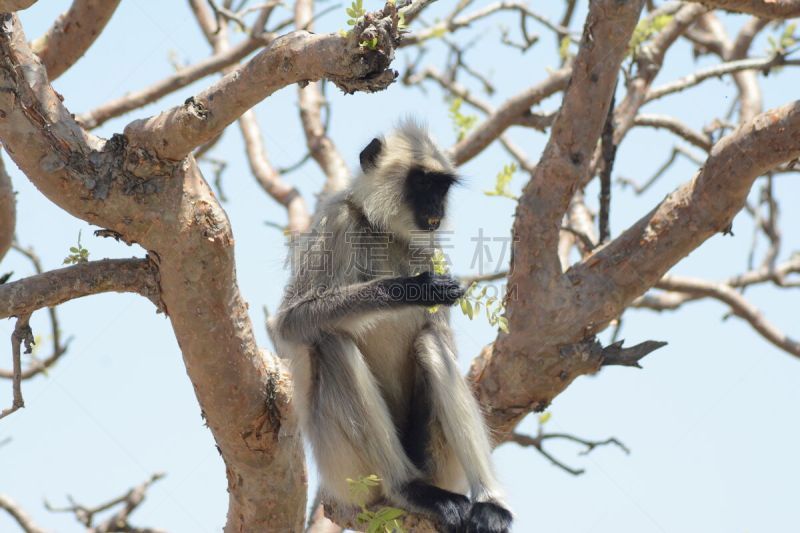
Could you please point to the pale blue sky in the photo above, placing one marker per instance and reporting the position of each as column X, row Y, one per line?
column 711, row 420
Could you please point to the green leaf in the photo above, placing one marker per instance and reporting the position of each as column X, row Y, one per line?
column 502, row 322
column 462, row 123
column 645, row 30
column 389, row 513
column 563, row 48
column 501, row 182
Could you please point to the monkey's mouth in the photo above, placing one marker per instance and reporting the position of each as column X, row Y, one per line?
column 433, row 223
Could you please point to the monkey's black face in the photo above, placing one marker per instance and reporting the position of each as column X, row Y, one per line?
column 426, row 194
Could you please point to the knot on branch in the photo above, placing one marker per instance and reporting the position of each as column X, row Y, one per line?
column 23, row 334
column 376, row 35
column 592, row 351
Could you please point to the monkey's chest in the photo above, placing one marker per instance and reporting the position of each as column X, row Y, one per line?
column 388, row 348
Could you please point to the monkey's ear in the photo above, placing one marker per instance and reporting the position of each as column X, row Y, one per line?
column 369, row 155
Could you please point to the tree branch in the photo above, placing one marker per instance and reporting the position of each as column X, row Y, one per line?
column 19, row 515
column 22, row 335
column 58, row 286
column 672, row 124
column 15, row 5
column 8, row 210
column 638, row 258
column 119, row 521
column 72, row 34
column 183, row 77
column 507, row 115
column 763, row 63
column 168, row 207
column 296, row 57
column 265, row 174
column 771, row 9
column 38, row 365
column 738, row 304
column 537, row 443
column 311, row 102
column 524, row 371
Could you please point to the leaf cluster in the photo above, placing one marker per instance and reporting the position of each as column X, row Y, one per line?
column 78, row 254
column 780, row 44
column 645, row 30
column 502, row 181
column 472, row 302
column 461, row 123
column 385, row 519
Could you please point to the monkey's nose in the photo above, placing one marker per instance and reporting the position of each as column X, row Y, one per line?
column 433, row 222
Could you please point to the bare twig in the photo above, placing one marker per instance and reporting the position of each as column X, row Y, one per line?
column 19, row 515
column 739, row 307
column 22, row 335
column 609, row 152
column 119, row 521
column 761, row 63
column 672, row 124
column 311, row 102
column 37, row 366
column 182, row 78
column 537, row 443
column 676, row 151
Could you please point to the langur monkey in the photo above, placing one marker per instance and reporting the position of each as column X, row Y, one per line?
column 377, row 387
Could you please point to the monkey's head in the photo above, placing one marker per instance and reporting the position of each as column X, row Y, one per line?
column 405, row 180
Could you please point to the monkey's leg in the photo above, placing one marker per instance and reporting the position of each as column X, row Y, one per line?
column 353, row 435
column 462, row 423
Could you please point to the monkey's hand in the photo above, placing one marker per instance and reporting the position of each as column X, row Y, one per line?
column 429, row 289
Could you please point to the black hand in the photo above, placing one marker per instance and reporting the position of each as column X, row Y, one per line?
column 429, row 289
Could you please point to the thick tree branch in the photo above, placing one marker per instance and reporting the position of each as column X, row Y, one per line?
column 169, row 209
column 72, row 34
column 638, row 258
column 524, row 371
column 15, row 5
column 84, row 279
column 296, row 57
column 771, row 9
column 574, row 136
column 266, row 175
column 8, row 211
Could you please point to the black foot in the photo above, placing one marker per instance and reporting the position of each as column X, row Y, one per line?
column 488, row 517
column 449, row 509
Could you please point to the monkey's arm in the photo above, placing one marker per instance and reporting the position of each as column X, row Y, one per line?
column 302, row 318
